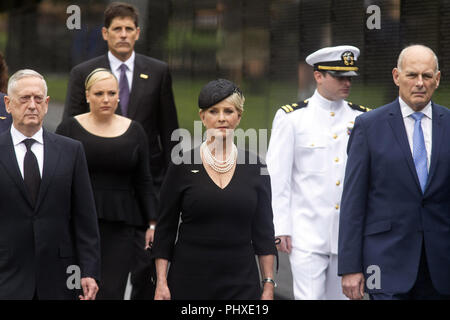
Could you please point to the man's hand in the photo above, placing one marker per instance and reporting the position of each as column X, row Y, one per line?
column 285, row 244
column 90, row 289
column 353, row 285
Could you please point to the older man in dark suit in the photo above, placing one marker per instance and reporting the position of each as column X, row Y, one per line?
column 145, row 92
column 394, row 231
column 48, row 223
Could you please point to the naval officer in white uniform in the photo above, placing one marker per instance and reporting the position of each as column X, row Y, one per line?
column 306, row 162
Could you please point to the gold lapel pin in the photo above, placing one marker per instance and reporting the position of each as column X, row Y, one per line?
column 143, row 76
column 2, row 118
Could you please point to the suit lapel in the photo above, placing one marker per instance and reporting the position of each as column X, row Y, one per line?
column 138, row 86
column 436, row 141
column 398, row 126
column 51, row 158
column 9, row 160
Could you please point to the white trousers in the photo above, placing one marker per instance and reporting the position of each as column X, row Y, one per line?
column 315, row 276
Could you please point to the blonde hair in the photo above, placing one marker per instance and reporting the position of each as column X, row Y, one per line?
column 237, row 100
column 97, row 75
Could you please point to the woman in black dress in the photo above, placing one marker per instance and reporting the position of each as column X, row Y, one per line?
column 117, row 156
column 226, row 214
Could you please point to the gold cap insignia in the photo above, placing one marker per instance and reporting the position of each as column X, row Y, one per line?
column 348, row 58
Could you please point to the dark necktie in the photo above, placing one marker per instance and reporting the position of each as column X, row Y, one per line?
column 31, row 175
column 419, row 150
column 124, row 90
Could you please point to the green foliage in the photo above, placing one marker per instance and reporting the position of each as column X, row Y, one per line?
column 57, row 87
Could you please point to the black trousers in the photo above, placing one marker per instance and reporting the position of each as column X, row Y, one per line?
column 121, row 245
column 423, row 288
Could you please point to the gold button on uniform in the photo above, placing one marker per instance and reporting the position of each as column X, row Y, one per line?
column 335, row 136
column 336, row 206
column 332, row 113
column 338, row 182
column 336, row 159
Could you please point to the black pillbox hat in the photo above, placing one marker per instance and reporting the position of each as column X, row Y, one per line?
column 215, row 91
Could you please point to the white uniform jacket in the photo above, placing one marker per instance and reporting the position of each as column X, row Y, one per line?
column 306, row 162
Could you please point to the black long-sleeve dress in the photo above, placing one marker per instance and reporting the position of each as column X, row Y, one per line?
column 221, row 230
column 124, row 198
column 119, row 172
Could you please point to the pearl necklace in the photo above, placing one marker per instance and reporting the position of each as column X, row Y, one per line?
column 220, row 166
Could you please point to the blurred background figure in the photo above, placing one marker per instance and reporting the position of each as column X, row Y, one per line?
column 5, row 117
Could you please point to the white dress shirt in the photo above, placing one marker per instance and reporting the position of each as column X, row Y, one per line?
column 20, row 149
column 426, row 123
column 115, row 67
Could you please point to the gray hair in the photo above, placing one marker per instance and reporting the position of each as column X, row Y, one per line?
column 402, row 54
column 24, row 73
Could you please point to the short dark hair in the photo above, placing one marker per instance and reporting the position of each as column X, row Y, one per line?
column 122, row 10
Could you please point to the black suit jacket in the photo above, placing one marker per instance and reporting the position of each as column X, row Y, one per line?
column 38, row 244
column 5, row 117
column 151, row 103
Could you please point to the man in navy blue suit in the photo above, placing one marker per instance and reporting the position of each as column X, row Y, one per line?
column 394, row 236
column 5, row 117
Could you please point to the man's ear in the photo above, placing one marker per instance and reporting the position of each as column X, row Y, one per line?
column 395, row 76
column 438, row 79
column 318, row 76
column 7, row 101
column 138, row 32
column 105, row 33
column 47, row 100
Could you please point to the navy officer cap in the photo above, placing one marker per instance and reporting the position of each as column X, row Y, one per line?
column 215, row 91
column 340, row 61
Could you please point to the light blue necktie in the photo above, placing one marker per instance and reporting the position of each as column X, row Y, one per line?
column 419, row 150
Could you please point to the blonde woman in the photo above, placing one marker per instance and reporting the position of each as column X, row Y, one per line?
column 118, row 160
column 225, row 212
